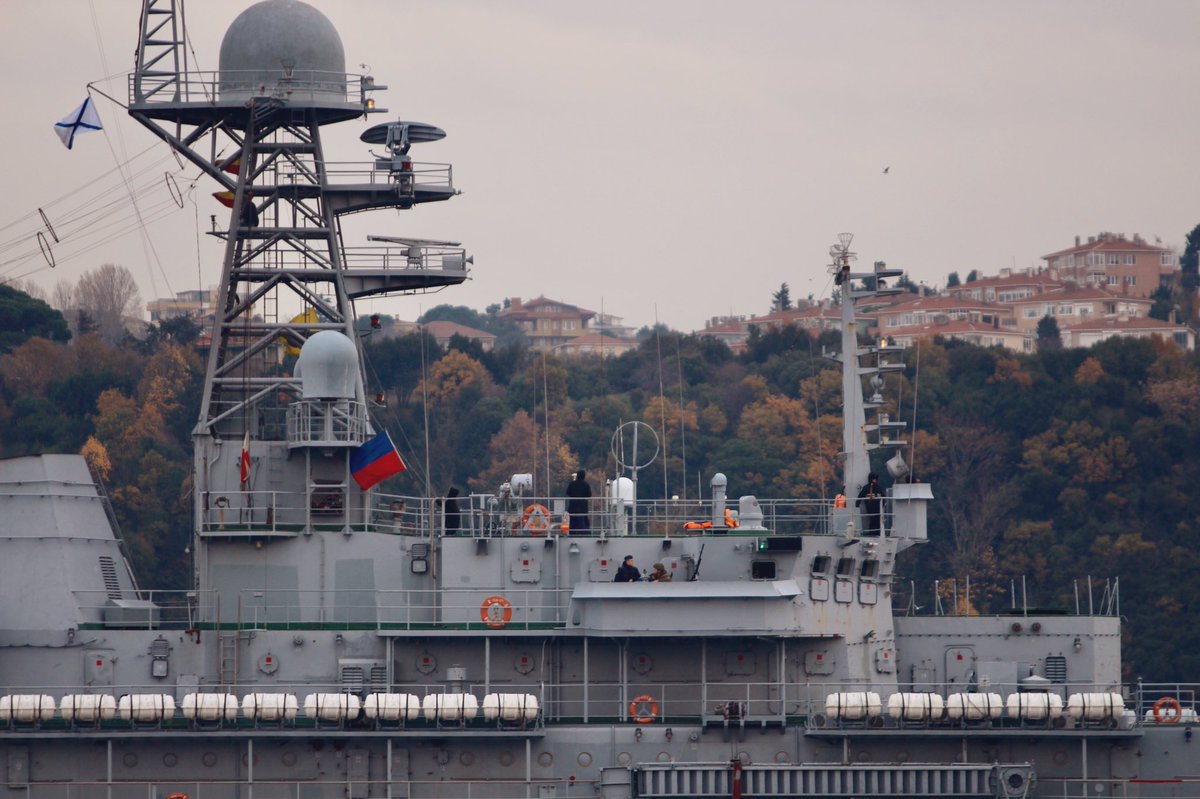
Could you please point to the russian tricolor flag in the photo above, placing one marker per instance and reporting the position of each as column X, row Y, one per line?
column 375, row 461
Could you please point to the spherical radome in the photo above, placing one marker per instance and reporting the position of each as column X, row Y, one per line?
column 274, row 37
column 327, row 366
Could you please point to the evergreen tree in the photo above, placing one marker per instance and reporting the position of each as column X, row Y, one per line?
column 1189, row 266
column 972, row 276
column 952, row 280
column 22, row 317
column 781, row 300
column 1048, row 336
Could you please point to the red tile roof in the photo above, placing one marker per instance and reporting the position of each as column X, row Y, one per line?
column 1109, row 243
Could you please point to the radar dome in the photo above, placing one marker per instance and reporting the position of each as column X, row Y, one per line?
column 327, row 366
column 283, row 46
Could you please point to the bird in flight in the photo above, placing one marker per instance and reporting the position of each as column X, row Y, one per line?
column 886, row 169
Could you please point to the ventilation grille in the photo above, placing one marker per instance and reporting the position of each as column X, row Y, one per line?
column 363, row 675
column 352, row 677
column 1056, row 668
column 108, row 571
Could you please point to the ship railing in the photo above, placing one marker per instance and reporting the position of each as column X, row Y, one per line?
column 425, row 258
column 471, row 608
column 1075, row 788
column 1175, row 787
column 422, row 175
column 249, row 513
column 325, row 422
column 237, row 86
column 159, row 609
column 496, row 788
column 636, row 701
column 488, row 516
column 1166, row 703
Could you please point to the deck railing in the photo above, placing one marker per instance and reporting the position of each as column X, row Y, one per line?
column 635, row 701
column 487, row 516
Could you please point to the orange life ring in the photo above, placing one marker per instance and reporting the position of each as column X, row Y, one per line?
column 643, row 709
column 178, row 796
column 839, row 501
column 496, row 612
column 1170, row 704
column 536, row 519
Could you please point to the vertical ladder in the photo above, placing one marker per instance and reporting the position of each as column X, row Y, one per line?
column 227, row 648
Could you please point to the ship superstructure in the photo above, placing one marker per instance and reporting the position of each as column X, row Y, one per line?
column 339, row 642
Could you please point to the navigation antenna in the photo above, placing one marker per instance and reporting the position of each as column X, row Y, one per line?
column 625, row 451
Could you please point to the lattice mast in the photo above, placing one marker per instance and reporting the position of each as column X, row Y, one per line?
column 254, row 127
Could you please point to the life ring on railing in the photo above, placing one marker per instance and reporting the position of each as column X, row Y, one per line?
column 1171, row 705
column 839, row 502
column 643, row 709
column 536, row 519
column 496, row 612
column 222, row 502
column 178, row 796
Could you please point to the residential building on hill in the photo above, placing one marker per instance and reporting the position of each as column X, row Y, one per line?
column 442, row 332
column 1125, row 266
column 596, row 344
column 973, row 332
column 735, row 330
column 197, row 304
column 1085, row 334
column 911, row 311
column 547, row 323
column 1075, row 304
column 1008, row 286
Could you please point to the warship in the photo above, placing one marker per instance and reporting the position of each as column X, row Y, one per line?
column 338, row 641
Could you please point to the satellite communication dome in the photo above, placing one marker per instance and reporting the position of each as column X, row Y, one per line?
column 327, row 366
column 283, row 46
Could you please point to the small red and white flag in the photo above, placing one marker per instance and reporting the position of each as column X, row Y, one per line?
column 245, row 460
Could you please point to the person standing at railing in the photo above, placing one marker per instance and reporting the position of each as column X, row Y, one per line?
column 579, row 494
column 451, row 515
column 870, row 499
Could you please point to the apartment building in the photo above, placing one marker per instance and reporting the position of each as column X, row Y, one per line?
column 196, row 304
column 597, row 344
column 547, row 323
column 1008, row 286
column 1073, row 305
column 1085, row 334
column 978, row 333
column 912, row 311
column 1127, row 266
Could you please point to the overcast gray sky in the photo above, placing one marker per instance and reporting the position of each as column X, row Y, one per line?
column 670, row 157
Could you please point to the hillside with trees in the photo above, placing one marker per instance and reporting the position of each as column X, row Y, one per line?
column 1048, row 467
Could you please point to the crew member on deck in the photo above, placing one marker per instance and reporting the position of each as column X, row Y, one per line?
column 451, row 513
column 628, row 573
column 870, row 499
column 578, row 494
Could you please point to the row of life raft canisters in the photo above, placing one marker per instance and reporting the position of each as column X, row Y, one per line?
column 268, row 707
